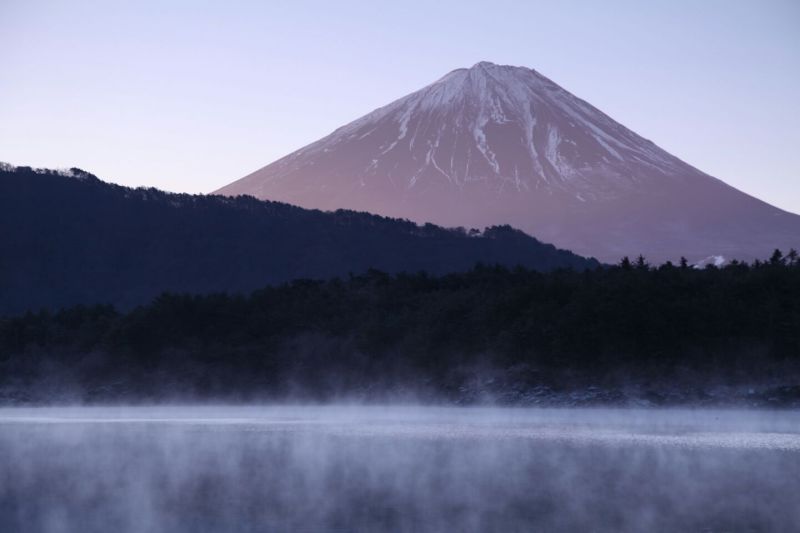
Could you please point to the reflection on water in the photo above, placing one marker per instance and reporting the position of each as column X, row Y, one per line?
column 252, row 469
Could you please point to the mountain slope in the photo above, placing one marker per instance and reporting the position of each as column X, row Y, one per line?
column 69, row 238
column 504, row 145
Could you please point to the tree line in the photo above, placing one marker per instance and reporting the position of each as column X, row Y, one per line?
column 377, row 334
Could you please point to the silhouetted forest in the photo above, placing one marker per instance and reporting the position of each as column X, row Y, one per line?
column 663, row 335
column 73, row 239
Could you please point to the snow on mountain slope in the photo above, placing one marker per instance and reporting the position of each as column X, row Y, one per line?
column 497, row 144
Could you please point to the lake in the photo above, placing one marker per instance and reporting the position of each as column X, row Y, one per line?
column 397, row 468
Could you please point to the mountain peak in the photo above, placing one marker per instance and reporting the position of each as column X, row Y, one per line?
column 502, row 128
column 488, row 65
column 494, row 144
column 489, row 69
column 483, row 64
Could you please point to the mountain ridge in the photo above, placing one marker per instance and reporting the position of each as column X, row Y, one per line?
column 69, row 238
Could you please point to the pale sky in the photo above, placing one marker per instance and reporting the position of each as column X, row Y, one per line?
column 190, row 95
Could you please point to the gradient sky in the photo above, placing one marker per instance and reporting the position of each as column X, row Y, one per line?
column 190, row 95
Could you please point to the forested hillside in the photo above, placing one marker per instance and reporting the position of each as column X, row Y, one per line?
column 68, row 238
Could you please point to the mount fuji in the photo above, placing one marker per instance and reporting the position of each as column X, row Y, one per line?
column 497, row 144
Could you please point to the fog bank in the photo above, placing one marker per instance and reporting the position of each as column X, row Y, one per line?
column 396, row 469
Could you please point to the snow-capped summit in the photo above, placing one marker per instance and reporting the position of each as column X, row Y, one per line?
column 496, row 144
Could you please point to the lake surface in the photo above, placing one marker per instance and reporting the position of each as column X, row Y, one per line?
column 347, row 468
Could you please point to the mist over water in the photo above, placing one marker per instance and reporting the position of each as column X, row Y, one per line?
column 347, row 468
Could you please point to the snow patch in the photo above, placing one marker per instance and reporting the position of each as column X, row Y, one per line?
column 716, row 260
